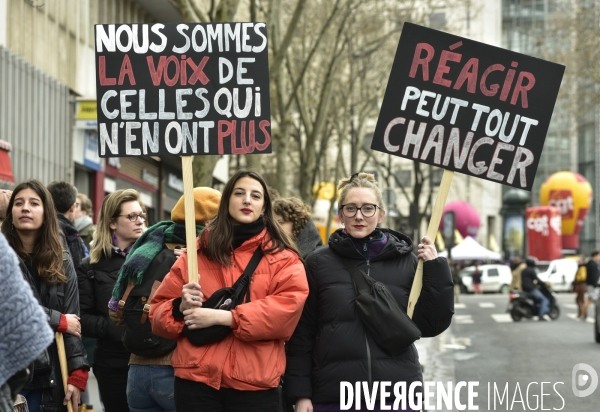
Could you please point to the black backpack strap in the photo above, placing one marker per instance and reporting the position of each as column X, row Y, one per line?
column 241, row 286
column 358, row 276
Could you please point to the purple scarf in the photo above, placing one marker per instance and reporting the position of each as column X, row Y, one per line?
column 374, row 243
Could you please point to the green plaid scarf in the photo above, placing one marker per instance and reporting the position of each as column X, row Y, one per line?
column 145, row 249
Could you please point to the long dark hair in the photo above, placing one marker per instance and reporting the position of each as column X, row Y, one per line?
column 218, row 245
column 47, row 251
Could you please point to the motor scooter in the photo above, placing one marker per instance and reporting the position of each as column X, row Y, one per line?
column 522, row 305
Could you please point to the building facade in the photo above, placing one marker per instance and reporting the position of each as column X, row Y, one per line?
column 48, row 106
column 572, row 143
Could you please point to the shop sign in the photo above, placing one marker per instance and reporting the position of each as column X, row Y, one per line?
column 175, row 182
column 149, row 177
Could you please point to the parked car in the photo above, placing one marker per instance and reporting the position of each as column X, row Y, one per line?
column 560, row 274
column 494, row 278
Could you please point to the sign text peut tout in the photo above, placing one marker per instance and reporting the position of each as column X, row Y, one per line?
column 467, row 106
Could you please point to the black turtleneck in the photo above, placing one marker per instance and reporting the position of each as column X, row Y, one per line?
column 243, row 232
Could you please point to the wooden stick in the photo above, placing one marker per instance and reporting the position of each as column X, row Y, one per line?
column 434, row 224
column 62, row 360
column 190, row 218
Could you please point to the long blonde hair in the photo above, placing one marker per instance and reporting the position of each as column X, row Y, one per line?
column 366, row 180
column 111, row 207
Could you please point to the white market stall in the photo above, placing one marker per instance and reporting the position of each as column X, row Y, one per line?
column 469, row 249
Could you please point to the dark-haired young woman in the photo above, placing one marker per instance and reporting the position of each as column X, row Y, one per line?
column 242, row 371
column 31, row 228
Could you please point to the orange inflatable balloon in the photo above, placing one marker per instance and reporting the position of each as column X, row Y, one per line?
column 572, row 194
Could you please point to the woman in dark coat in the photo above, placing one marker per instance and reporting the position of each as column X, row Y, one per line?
column 330, row 344
column 120, row 224
column 31, row 228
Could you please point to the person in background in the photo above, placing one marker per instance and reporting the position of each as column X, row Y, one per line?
column 531, row 284
column 4, row 199
column 591, row 280
column 242, row 372
column 31, row 228
column 517, row 266
column 25, row 336
column 150, row 383
column 294, row 217
column 477, row 279
column 64, row 196
column 83, row 219
column 455, row 270
column 330, row 344
column 580, row 289
column 120, row 224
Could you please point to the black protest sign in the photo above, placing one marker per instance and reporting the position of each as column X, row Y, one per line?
column 182, row 89
column 467, row 106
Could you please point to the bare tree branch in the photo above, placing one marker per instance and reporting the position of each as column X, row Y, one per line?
column 281, row 51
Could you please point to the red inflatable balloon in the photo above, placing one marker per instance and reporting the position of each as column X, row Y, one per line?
column 544, row 240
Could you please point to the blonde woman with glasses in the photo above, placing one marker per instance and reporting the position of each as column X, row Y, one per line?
column 330, row 344
column 120, row 224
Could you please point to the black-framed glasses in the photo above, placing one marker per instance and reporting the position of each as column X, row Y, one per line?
column 134, row 216
column 367, row 210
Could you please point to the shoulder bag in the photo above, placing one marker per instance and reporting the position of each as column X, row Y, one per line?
column 225, row 299
column 382, row 317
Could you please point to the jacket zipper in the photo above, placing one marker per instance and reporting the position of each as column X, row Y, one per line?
column 367, row 337
column 369, row 361
column 369, row 371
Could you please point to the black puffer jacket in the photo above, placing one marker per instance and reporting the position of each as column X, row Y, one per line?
column 96, row 283
column 57, row 299
column 330, row 343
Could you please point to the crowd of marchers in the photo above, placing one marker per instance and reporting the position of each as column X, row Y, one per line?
column 268, row 324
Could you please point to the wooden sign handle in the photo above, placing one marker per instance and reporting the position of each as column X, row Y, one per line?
column 434, row 224
column 62, row 360
column 190, row 218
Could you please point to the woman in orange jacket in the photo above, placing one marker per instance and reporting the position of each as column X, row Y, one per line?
column 242, row 371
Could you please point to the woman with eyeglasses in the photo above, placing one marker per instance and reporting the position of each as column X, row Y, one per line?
column 120, row 224
column 330, row 344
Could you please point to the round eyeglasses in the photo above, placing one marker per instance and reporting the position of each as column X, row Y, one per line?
column 367, row 210
column 134, row 216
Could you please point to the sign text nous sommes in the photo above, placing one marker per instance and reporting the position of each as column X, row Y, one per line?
column 182, row 89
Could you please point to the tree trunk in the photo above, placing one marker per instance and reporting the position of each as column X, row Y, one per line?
column 254, row 162
column 281, row 156
column 203, row 167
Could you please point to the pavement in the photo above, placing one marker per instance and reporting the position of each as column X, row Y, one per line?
column 437, row 362
column 92, row 390
column 437, row 357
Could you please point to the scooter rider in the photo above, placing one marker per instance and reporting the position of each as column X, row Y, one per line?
column 529, row 282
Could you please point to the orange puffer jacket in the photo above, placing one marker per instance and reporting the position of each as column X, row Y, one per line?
column 252, row 357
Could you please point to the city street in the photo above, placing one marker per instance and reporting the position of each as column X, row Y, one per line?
column 484, row 345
